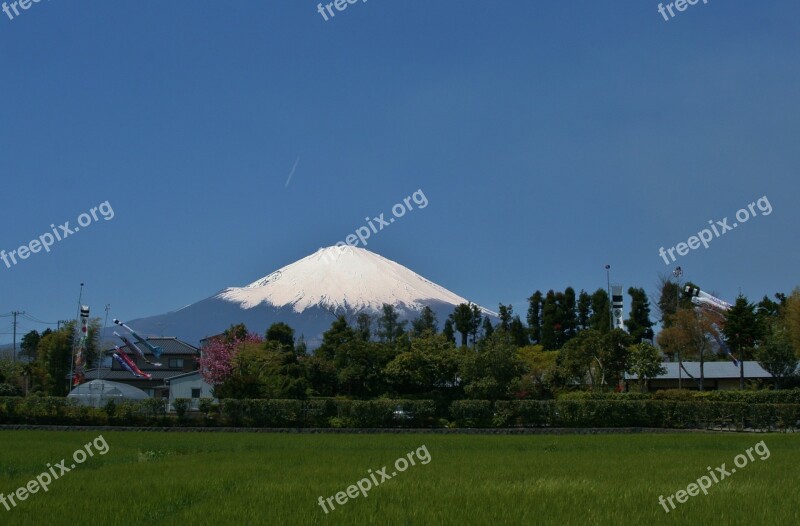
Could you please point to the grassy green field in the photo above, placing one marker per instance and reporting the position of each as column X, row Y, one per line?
column 260, row 478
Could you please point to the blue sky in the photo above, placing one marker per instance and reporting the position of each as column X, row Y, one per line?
column 550, row 138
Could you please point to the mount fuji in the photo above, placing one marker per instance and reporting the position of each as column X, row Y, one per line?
column 308, row 295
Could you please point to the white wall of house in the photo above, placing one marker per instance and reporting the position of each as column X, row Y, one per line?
column 190, row 386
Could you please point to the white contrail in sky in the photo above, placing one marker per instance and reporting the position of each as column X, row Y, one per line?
column 292, row 172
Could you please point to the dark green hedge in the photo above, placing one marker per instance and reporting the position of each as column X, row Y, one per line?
column 673, row 413
column 786, row 396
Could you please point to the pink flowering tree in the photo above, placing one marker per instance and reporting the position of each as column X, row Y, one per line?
column 216, row 362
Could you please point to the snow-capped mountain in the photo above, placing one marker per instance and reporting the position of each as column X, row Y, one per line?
column 308, row 295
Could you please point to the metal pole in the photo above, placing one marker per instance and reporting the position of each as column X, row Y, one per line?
column 608, row 291
column 14, row 352
column 100, row 356
column 678, row 272
column 74, row 341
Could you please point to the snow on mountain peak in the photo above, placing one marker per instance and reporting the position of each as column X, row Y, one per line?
column 342, row 277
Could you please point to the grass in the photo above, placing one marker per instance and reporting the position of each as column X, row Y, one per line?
column 260, row 478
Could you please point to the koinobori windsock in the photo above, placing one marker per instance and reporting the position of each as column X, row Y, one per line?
column 153, row 349
column 714, row 304
column 79, row 370
column 129, row 364
column 135, row 348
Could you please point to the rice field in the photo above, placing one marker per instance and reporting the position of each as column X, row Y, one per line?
column 263, row 478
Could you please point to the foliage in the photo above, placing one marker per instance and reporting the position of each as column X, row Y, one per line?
column 777, row 355
column 181, row 406
column 216, row 360
column 644, row 361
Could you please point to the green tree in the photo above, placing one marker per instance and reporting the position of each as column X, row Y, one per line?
column 638, row 323
column 359, row 368
column 538, row 374
column 487, row 327
column 535, row 316
column 428, row 368
column 463, row 319
column 576, row 360
column 448, row 331
column 489, row 374
column 389, row 325
column 505, row 313
column 236, row 332
column 518, row 332
column 584, row 309
column 340, row 333
column 692, row 334
column 613, row 357
column 792, row 319
column 426, row 322
column 283, row 334
column 776, row 354
column 742, row 332
column 644, row 361
column 569, row 317
column 29, row 344
column 601, row 315
column 54, row 360
column 550, row 328
column 364, row 326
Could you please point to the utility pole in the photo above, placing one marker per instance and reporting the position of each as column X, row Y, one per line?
column 14, row 353
column 608, row 285
column 100, row 344
column 678, row 272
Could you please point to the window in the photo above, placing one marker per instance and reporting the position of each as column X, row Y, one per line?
column 176, row 363
column 195, row 393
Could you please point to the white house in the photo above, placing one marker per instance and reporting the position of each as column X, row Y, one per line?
column 188, row 385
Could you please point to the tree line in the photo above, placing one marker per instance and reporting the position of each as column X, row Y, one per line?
column 565, row 342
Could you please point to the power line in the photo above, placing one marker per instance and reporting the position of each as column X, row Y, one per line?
column 34, row 319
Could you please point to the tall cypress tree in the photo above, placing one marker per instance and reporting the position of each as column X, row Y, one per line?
column 638, row 324
column 549, row 339
column 569, row 316
column 742, row 331
column 535, row 316
column 601, row 316
column 584, row 310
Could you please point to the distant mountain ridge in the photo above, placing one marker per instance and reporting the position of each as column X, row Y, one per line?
column 308, row 295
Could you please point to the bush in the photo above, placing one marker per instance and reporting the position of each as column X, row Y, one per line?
column 472, row 413
column 181, row 406
column 110, row 408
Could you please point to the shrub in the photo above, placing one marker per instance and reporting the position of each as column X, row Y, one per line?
column 181, row 406
column 472, row 413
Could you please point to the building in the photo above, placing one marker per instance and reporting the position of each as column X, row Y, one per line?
column 187, row 385
column 177, row 358
column 717, row 376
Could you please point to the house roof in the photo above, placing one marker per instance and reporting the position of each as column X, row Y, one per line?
column 171, row 346
column 711, row 371
column 121, row 374
column 182, row 375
